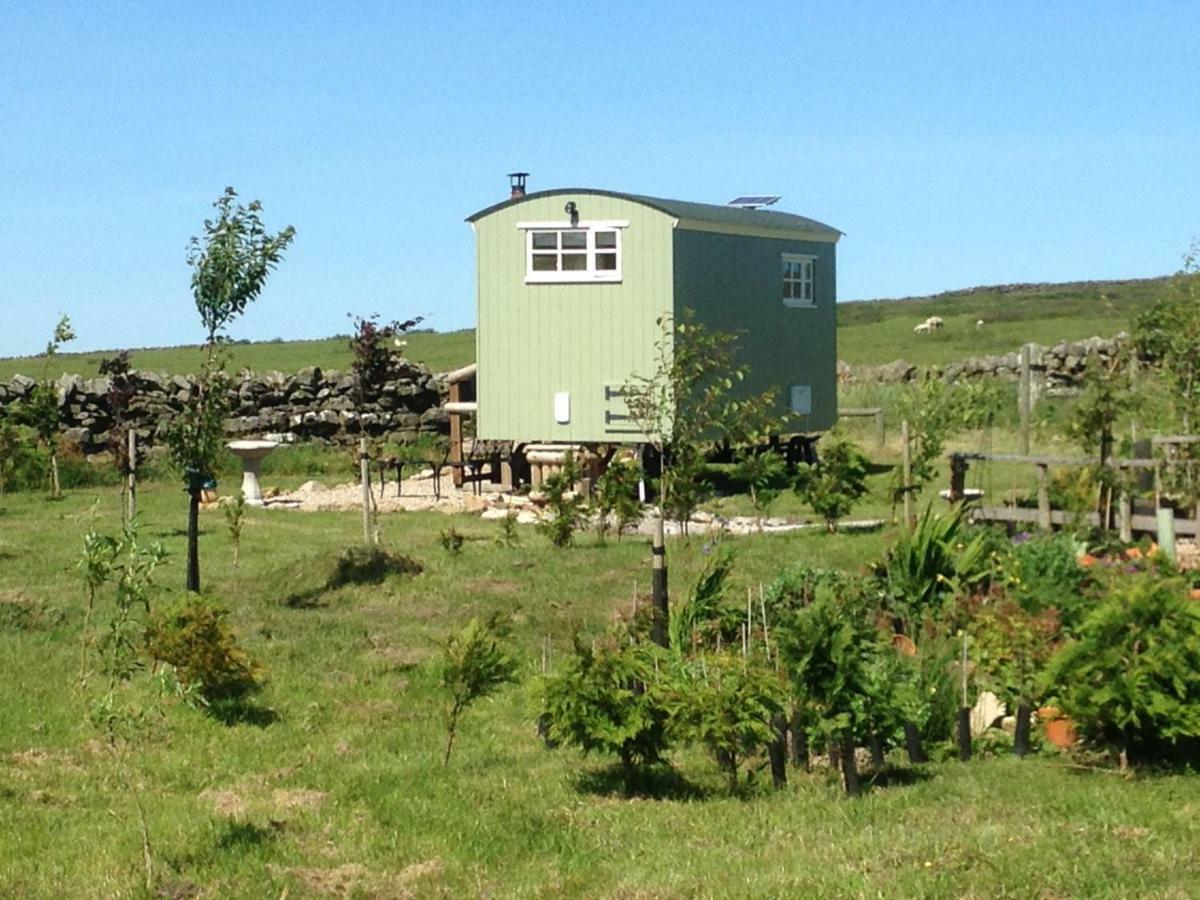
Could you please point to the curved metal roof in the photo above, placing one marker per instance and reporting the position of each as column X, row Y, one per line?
column 683, row 209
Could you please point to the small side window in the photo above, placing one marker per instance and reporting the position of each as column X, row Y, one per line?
column 798, row 283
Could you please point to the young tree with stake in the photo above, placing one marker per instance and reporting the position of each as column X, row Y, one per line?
column 230, row 264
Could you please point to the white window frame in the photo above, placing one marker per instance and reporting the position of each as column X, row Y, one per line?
column 589, row 275
column 811, row 264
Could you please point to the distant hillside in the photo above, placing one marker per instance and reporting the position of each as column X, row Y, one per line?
column 869, row 331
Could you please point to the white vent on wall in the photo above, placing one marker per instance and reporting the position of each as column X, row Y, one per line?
column 562, row 407
column 801, row 397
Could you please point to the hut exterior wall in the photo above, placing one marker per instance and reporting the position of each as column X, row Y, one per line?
column 734, row 284
column 534, row 341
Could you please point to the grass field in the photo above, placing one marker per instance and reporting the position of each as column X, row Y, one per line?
column 338, row 789
column 869, row 332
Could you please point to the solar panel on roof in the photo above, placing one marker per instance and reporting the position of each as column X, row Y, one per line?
column 753, row 201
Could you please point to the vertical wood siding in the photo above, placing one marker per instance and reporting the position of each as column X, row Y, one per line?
column 534, row 340
column 734, row 284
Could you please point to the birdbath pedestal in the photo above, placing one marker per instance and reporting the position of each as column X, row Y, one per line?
column 251, row 454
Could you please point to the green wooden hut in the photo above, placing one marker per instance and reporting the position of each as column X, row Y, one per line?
column 573, row 281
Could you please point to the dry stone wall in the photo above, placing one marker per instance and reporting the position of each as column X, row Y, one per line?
column 311, row 405
column 1059, row 366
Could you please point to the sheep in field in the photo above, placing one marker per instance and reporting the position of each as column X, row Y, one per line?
column 935, row 322
column 923, row 328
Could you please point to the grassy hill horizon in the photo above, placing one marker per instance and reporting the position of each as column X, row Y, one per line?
column 870, row 332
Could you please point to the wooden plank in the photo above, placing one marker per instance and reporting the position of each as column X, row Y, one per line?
column 860, row 411
column 466, row 373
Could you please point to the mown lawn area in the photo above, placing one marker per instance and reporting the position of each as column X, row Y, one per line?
column 335, row 788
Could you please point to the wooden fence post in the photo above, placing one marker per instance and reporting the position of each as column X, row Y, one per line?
column 1043, row 497
column 131, row 447
column 879, row 428
column 906, row 473
column 364, row 474
column 1125, row 517
column 1024, row 397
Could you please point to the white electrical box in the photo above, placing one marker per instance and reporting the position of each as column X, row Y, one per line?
column 562, row 407
column 802, row 399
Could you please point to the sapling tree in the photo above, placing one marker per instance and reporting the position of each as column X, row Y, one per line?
column 40, row 409
column 235, row 516
column 122, row 391
column 563, row 504
column 1168, row 334
column 474, row 665
column 377, row 358
column 834, row 484
column 691, row 397
column 1106, row 398
column 1012, row 647
column 616, row 500
column 230, row 263
column 123, row 712
column 930, row 409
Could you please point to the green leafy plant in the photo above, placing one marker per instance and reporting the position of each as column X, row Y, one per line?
column 765, row 476
column 123, row 712
column 842, row 673
column 835, row 483
column 474, row 665
column 692, row 397
column 235, row 515
column 1131, row 678
column 1012, row 647
column 452, row 540
column 930, row 564
column 729, row 703
column 609, row 700
column 616, row 498
column 195, row 639
column 508, row 536
column 1106, row 398
column 40, row 409
column 704, row 615
column 930, row 410
column 563, row 504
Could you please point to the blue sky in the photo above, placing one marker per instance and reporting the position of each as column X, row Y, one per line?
column 955, row 144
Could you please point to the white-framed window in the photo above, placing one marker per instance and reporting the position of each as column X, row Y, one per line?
column 560, row 252
column 798, row 287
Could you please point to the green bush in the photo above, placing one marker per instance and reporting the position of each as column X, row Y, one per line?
column 564, row 505
column 474, row 665
column 730, row 704
column 609, row 700
column 836, row 483
column 616, row 497
column 195, row 639
column 1131, row 678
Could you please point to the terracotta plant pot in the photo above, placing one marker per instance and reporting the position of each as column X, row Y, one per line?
column 1059, row 729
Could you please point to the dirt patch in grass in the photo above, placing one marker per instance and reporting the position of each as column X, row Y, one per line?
column 503, row 586
column 254, row 799
column 355, row 879
column 298, row 798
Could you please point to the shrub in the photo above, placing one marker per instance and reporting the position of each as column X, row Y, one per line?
column 843, row 673
column 452, row 541
column 195, row 639
column 704, row 614
column 836, row 483
column 930, row 564
column 730, row 704
column 508, row 536
column 608, row 700
column 474, row 665
column 616, row 497
column 564, row 505
column 1131, row 678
